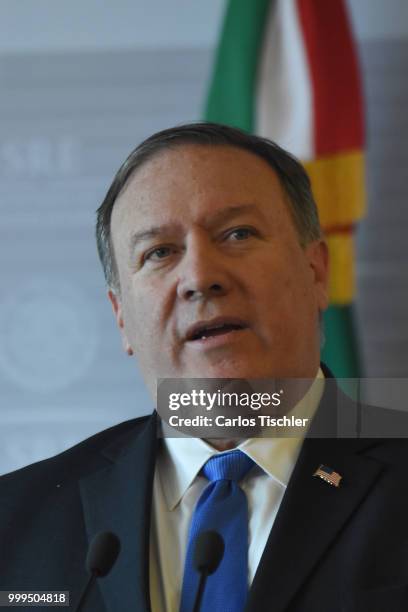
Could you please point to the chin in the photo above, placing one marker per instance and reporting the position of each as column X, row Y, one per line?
column 234, row 370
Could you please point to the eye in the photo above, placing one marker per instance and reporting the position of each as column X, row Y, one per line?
column 158, row 253
column 241, row 233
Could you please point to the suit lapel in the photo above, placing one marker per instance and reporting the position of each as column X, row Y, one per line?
column 310, row 517
column 118, row 499
column 313, row 512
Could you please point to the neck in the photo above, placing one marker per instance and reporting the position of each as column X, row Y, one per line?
column 222, row 445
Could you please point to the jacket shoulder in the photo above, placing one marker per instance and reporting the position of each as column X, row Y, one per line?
column 78, row 460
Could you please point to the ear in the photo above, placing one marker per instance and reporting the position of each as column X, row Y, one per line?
column 117, row 311
column 318, row 257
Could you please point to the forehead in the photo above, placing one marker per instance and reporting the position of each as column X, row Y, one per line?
column 192, row 181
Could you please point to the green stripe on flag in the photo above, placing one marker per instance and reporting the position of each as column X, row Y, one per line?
column 231, row 98
column 340, row 351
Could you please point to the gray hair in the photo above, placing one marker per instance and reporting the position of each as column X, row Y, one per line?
column 292, row 176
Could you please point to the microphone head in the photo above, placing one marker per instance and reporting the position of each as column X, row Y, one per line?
column 208, row 551
column 102, row 553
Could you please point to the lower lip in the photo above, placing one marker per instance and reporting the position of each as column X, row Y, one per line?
column 215, row 341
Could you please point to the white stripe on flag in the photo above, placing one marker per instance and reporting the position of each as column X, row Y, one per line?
column 284, row 90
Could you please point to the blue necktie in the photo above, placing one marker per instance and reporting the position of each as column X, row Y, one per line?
column 222, row 507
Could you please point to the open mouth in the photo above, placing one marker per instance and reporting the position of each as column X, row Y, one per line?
column 210, row 329
column 215, row 331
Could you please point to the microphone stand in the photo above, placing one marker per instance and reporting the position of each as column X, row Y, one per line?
column 85, row 591
column 200, row 590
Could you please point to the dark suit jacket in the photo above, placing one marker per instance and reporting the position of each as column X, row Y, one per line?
column 330, row 549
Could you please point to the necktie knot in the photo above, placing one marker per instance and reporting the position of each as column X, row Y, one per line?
column 228, row 466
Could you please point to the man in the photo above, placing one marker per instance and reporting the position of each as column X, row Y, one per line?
column 216, row 268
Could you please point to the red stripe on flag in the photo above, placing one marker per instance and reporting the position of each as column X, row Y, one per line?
column 334, row 72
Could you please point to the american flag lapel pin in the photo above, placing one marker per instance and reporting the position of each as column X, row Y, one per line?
column 328, row 475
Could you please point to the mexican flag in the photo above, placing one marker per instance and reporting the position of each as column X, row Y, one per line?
column 287, row 70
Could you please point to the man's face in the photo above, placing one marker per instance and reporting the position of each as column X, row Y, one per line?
column 203, row 235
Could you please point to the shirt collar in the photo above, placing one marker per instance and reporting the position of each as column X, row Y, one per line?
column 180, row 459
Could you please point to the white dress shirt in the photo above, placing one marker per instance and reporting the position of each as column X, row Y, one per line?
column 178, row 485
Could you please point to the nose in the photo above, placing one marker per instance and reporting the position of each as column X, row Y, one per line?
column 203, row 272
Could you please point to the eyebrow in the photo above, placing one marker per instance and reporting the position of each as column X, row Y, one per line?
column 148, row 234
column 219, row 217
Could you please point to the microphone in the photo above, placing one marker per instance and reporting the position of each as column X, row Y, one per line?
column 208, row 553
column 102, row 554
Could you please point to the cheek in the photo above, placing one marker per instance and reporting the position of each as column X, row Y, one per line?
column 137, row 316
column 144, row 313
column 273, row 288
column 283, row 298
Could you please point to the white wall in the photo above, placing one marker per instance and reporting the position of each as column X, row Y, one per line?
column 379, row 18
column 45, row 25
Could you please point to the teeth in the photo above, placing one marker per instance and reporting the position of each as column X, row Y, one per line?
column 203, row 335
